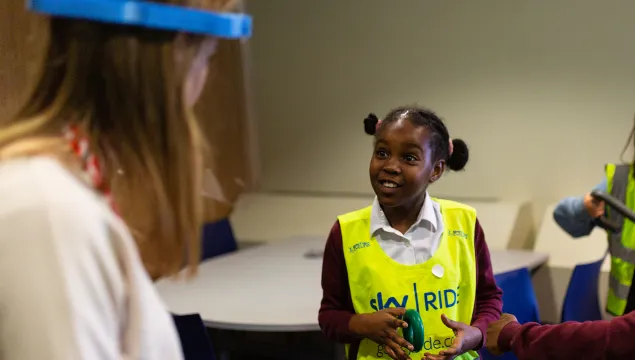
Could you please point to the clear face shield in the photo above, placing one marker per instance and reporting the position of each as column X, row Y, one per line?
column 215, row 25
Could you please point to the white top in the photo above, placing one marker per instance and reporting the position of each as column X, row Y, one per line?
column 416, row 245
column 276, row 287
column 72, row 285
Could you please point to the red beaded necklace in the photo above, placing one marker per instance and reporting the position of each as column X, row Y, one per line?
column 91, row 166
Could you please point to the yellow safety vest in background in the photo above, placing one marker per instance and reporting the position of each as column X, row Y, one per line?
column 621, row 245
column 376, row 281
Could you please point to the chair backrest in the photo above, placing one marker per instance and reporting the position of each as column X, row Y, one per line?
column 194, row 340
column 519, row 297
column 218, row 239
column 581, row 302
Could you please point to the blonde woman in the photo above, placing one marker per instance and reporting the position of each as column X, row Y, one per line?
column 100, row 180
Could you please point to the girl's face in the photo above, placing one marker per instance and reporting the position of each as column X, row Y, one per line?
column 197, row 76
column 402, row 166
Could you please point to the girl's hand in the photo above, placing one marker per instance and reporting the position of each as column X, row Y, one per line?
column 381, row 327
column 593, row 206
column 466, row 338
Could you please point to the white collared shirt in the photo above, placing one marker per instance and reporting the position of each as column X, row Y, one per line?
column 417, row 244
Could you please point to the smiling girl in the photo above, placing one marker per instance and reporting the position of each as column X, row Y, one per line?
column 418, row 252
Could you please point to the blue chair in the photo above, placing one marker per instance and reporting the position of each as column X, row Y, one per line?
column 218, row 239
column 581, row 302
column 194, row 341
column 519, row 299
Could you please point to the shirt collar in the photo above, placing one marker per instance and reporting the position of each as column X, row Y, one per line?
column 379, row 221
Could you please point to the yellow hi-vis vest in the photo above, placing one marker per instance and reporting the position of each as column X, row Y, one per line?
column 376, row 281
column 621, row 245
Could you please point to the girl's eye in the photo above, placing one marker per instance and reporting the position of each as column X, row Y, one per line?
column 410, row 158
column 381, row 153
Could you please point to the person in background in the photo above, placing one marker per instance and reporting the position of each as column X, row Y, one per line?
column 409, row 250
column 108, row 123
column 577, row 216
column 591, row 340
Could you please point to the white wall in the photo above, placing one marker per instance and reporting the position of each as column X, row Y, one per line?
column 543, row 91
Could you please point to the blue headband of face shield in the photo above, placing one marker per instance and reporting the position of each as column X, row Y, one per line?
column 149, row 14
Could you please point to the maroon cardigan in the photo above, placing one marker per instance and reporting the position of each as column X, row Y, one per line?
column 337, row 306
column 592, row 340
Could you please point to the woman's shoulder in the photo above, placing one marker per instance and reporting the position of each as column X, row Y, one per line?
column 40, row 181
column 57, row 231
column 44, row 202
column 42, row 184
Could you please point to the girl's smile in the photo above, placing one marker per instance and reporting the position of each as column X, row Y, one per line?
column 389, row 186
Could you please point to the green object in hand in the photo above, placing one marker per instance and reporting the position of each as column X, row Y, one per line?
column 414, row 332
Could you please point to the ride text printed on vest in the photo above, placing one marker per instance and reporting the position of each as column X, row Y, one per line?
column 427, row 301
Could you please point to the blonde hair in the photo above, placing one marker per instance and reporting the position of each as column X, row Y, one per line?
column 124, row 87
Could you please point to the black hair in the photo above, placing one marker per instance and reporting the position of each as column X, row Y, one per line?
column 439, row 136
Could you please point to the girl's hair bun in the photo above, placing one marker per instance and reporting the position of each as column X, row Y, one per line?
column 460, row 155
column 370, row 124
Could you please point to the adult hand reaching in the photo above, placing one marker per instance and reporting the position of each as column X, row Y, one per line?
column 493, row 332
column 593, row 206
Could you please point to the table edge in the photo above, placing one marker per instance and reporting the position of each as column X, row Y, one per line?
column 220, row 325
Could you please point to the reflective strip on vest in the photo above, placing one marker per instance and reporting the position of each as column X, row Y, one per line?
column 618, row 190
column 619, row 290
column 622, row 256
